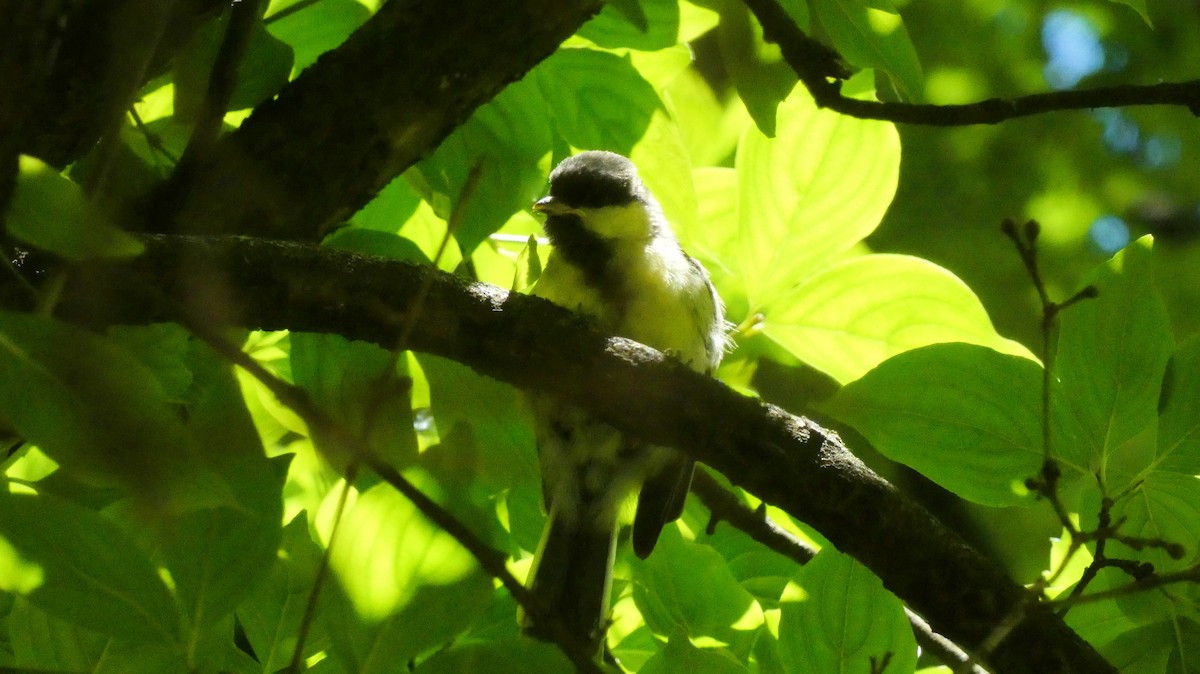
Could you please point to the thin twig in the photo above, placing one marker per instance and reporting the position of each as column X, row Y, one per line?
column 815, row 66
column 492, row 561
column 724, row 505
column 1188, row 575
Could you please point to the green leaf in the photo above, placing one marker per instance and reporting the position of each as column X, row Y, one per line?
column 797, row 11
column 500, row 656
column 695, row 21
column 96, row 576
column 1112, row 351
column 681, row 656
column 1138, row 6
column 1164, row 507
column 871, row 34
column 837, row 617
column 17, row 574
column 1145, row 650
column 41, row 642
column 963, row 415
column 612, row 106
column 433, row 618
column 351, row 382
column 758, row 71
column 100, row 413
column 647, row 25
column 50, row 212
column 484, row 422
column 688, row 586
column 506, row 139
column 1179, row 409
column 386, row 550
column 1100, row 622
column 318, row 28
column 373, row 242
column 217, row 555
column 632, row 10
column 163, row 348
column 261, row 72
column 812, row 192
column 390, row 209
column 272, row 613
column 847, row 319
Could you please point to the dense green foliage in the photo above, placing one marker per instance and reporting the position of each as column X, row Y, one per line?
column 164, row 512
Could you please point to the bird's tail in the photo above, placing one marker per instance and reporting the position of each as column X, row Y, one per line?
column 572, row 575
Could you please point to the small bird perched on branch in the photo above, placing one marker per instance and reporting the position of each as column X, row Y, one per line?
column 615, row 260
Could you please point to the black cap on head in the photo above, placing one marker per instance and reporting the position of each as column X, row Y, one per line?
column 596, row 179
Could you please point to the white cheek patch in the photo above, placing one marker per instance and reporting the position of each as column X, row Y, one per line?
column 619, row 222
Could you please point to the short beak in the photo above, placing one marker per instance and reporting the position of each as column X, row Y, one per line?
column 551, row 206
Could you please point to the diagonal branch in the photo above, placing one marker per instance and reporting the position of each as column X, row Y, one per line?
column 754, row 523
column 785, row 460
column 305, row 161
column 816, row 67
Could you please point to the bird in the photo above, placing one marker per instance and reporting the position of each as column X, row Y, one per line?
column 615, row 260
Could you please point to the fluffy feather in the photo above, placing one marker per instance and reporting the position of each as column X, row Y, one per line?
column 616, row 261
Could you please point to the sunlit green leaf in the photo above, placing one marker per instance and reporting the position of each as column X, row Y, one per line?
column 963, row 415
column 433, row 618
column 850, row 317
column 390, row 209
column 648, row 24
column 351, row 382
column 386, row 550
column 698, row 114
column 50, row 212
column 262, row 71
column 612, row 104
column 687, row 586
column 95, row 575
column 664, row 166
column 871, row 34
column 317, row 28
column 817, row 188
column 1113, row 350
column 837, row 616
column 504, row 141
column 681, row 656
column 373, row 242
column 17, row 574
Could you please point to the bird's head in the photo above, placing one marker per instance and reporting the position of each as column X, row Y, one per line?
column 601, row 193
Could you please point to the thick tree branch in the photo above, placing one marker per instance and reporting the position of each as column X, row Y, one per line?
column 303, row 163
column 815, row 66
column 785, row 460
